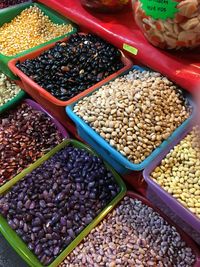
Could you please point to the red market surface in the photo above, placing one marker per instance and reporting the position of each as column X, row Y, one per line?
column 119, row 29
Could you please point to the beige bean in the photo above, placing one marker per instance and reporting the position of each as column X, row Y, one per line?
column 137, row 111
column 181, row 179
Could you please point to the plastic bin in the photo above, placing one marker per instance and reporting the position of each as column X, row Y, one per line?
column 59, row 127
column 15, row 100
column 169, row 204
column 183, row 235
column 115, row 158
column 52, row 104
column 15, row 5
column 9, row 13
column 17, row 243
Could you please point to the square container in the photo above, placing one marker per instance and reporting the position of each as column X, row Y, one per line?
column 59, row 127
column 17, row 243
column 187, row 220
column 109, row 153
column 9, row 14
column 183, row 235
column 47, row 100
column 15, row 100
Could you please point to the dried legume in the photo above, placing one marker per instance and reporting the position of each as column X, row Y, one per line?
column 135, row 112
column 8, row 89
column 132, row 235
column 7, row 3
column 69, row 68
column 29, row 29
column 179, row 172
column 25, row 135
column 56, row 201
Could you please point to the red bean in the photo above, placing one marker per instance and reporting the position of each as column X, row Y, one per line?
column 7, row 3
column 25, row 136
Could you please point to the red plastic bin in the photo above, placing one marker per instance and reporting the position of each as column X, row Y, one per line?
column 183, row 235
column 55, row 106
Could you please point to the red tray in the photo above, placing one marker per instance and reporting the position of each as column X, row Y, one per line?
column 181, row 67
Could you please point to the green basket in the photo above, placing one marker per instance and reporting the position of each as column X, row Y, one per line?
column 13, row 102
column 17, row 243
column 8, row 14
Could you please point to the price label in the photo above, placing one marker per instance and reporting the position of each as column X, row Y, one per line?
column 130, row 49
column 160, row 9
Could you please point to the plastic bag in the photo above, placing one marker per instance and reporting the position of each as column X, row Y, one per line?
column 169, row 24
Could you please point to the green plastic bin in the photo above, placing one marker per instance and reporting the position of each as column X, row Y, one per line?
column 14, row 101
column 9, row 14
column 16, row 242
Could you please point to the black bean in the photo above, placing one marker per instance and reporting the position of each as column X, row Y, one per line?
column 38, row 249
column 42, row 203
column 71, row 233
column 36, row 222
column 56, row 251
column 70, row 68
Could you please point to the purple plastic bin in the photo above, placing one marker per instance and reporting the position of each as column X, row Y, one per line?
column 188, row 221
column 36, row 106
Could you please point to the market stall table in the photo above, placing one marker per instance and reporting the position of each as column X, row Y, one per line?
column 120, row 29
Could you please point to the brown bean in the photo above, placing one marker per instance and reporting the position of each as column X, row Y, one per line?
column 25, row 135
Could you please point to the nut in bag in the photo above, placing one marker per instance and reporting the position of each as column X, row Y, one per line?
column 169, row 24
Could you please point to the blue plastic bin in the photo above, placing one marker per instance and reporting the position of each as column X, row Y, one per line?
column 120, row 163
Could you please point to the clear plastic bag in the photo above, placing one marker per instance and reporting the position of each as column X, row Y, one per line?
column 180, row 31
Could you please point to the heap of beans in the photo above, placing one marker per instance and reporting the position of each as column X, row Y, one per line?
column 135, row 113
column 8, row 89
column 25, row 135
column 7, row 3
column 179, row 172
column 73, row 66
column 55, row 202
column 29, row 29
column 132, row 235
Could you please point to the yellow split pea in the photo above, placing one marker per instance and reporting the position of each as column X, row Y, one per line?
column 29, row 29
column 179, row 172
